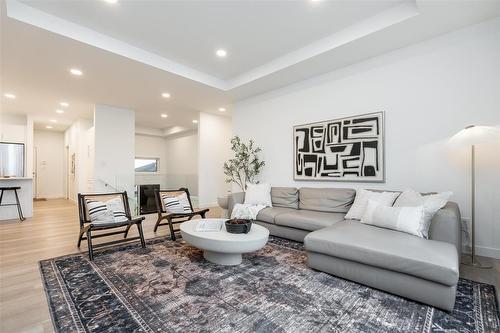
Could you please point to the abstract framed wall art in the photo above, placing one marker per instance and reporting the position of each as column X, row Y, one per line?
column 345, row 149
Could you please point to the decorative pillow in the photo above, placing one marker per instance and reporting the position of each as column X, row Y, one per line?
column 106, row 212
column 410, row 220
column 116, row 207
column 258, row 194
column 176, row 203
column 431, row 203
column 361, row 200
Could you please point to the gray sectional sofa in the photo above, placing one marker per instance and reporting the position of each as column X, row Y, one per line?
column 425, row 270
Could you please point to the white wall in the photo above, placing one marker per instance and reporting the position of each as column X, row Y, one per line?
column 114, row 130
column 19, row 129
column 50, row 164
column 214, row 135
column 428, row 91
column 12, row 128
column 182, row 161
column 150, row 146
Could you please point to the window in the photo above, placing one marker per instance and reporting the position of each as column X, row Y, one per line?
column 146, row 164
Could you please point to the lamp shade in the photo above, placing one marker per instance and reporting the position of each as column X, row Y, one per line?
column 473, row 135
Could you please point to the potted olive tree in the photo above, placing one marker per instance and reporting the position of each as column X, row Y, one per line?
column 244, row 167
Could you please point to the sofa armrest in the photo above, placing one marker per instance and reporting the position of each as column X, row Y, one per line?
column 233, row 199
column 446, row 226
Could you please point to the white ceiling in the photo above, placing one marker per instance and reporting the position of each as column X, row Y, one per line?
column 188, row 32
column 132, row 51
column 35, row 66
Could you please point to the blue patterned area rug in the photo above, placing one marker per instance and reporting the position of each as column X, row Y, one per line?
column 169, row 287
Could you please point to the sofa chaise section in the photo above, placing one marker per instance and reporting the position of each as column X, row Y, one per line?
column 425, row 270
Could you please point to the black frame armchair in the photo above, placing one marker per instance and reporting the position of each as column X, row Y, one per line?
column 87, row 228
column 174, row 218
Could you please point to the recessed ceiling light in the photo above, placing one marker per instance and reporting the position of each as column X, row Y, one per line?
column 195, row 121
column 64, row 104
column 222, row 109
column 165, row 95
column 48, row 127
column 53, row 121
column 221, row 53
column 59, row 111
column 9, row 95
column 76, row 71
column 163, row 115
column 111, row 1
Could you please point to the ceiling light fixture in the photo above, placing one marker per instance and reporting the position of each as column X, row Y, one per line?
column 195, row 121
column 59, row 111
column 48, row 127
column 10, row 96
column 111, row 1
column 221, row 53
column 163, row 115
column 222, row 109
column 76, row 71
column 53, row 121
column 165, row 95
column 64, row 104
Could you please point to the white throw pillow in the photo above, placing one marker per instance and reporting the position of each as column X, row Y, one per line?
column 361, row 201
column 176, row 204
column 116, row 207
column 432, row 203
column 258, row 194
column 410, row 220
column 106, row 212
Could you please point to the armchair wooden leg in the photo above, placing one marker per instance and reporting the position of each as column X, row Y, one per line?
column 171, row 226
column 82, row 232
column 126, row 231
column 89, row 243
column 141, row 235
column 157, row 223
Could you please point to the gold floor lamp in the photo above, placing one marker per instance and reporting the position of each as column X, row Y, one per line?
column 470, row 136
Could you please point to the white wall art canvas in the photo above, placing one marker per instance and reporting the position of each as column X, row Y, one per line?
column 346, row 149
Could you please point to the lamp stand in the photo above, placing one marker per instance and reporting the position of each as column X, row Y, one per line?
column 473, row 260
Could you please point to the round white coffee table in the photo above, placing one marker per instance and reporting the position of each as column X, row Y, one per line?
column 222, row 247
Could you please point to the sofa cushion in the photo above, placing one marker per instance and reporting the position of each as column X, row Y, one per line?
column 336, row 200
column 268, row 214
column 307, row 219
column 388, row 249
column 287, row 197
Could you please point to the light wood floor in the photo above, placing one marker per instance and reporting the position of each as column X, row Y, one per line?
column 52, row 232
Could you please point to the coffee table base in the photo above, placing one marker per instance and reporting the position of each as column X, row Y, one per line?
column 228, row 259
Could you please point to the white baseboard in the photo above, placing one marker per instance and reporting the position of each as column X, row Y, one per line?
column 208, row 205
column 50, row 197
column 484, row 251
